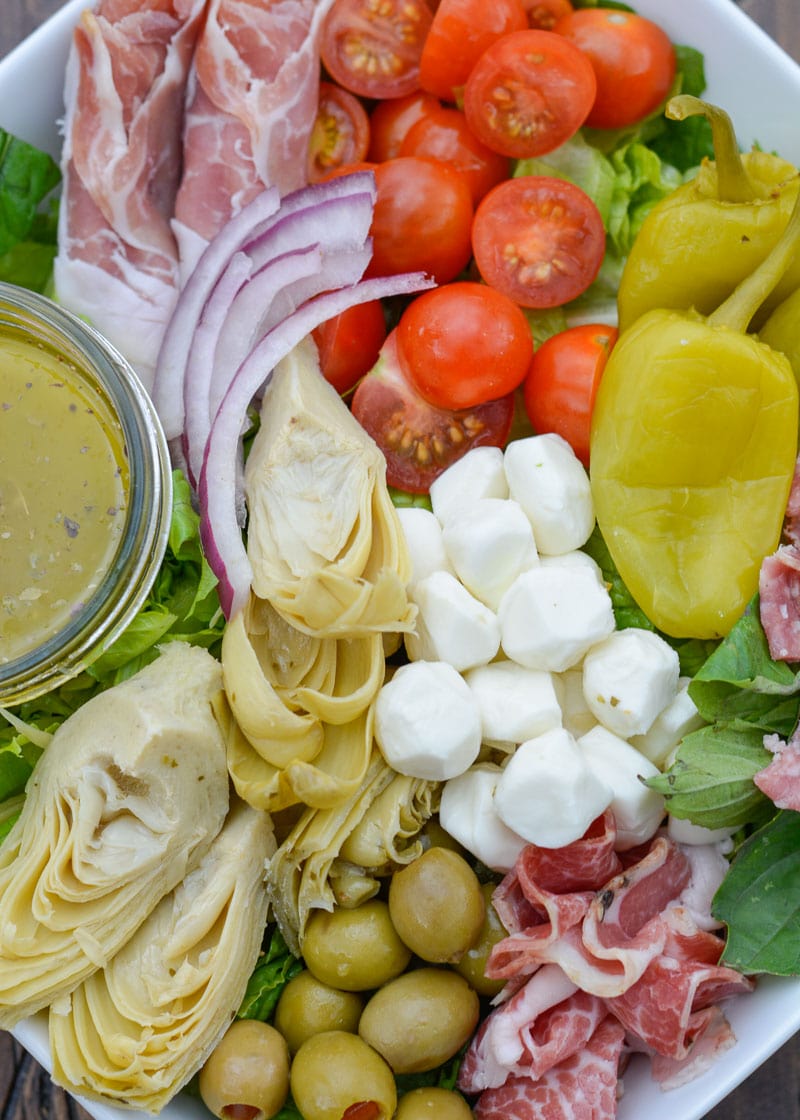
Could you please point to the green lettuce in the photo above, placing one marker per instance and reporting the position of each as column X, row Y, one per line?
column 275, row 968
column 28, row 213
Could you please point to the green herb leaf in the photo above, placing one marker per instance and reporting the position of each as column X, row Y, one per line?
column 27, row 224
column 711, row 781
column 272, row 973
column 759, row 900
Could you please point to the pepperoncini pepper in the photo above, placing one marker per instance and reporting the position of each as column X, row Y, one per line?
column 705, row 237
column 693, row 447
column 782, row 331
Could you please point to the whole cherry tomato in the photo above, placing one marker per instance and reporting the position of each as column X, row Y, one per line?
column 633, row 60
column 349, row 344
column 391, row 120
column 460, row 33
column 443, row 133
column 561, row 385
column 464, row 344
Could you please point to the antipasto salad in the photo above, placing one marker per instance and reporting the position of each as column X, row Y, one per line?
column 451, row 762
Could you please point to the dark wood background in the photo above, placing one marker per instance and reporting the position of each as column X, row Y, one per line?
column 773, row 1092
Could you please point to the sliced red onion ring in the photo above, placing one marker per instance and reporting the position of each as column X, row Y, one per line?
column 220, row 474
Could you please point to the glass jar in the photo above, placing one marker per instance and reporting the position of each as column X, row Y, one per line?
column 85, row 495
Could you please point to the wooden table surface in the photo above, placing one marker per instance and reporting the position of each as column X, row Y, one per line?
column 26, row 1092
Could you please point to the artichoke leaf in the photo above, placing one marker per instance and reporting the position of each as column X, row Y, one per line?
column 125, row 800
column 135, row 1031
column 336, row 774
column 325, row 551
column 388, row 833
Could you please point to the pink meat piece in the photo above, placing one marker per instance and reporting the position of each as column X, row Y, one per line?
column 251, row 106
column 667, row 1007
column 582, row 1087
column 779, row 602
column 519, row 1037
column 791, row 520
column 715, row 1038
column 125, row 85
column 780, row 780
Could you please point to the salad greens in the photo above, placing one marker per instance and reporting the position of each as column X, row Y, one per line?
column 274, row 969
column 28, row 213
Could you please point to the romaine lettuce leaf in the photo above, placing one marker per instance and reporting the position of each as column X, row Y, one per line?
column 28, row 217
column 272, row 973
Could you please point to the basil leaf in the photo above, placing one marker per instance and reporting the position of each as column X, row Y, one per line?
column 759, row 900
column 711, row 781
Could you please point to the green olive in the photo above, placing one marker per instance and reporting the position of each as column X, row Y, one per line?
column 307, row 1006
column 334, row 1070
column 437, row 906
column 421, row 1019
column 354, row 950
column 472, row 965
column 247, row 1074
column 433, row 1104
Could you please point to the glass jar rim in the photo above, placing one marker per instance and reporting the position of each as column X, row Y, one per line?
column 138, row 556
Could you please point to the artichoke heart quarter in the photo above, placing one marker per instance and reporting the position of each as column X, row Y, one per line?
column 128, row 795
column 137, row 1030
column 324, row 540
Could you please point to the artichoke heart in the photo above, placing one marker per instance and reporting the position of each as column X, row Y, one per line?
column 128, row 795
column 324, row 539
column 306, row 872
column 135, row 1031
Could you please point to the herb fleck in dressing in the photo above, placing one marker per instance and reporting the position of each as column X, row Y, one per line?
column 63, row 492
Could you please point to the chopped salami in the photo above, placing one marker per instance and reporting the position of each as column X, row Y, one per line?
column 780, row 780
column 779, row 602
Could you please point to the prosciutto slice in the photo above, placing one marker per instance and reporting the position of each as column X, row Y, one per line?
column 125, row 85
column 780, row 780
column 779, row 602
column 251, row 106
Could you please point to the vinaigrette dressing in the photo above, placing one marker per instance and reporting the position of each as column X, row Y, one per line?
column 64, row 485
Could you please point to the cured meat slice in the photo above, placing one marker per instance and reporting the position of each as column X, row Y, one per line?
column 715, row 1039
column 251, row 107
column 780, row 780
column 582, row 1087
column 125, row 85
column 779, row 602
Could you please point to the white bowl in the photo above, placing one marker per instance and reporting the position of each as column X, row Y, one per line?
column 759, row 86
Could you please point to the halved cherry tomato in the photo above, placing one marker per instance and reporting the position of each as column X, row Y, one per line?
column 538, row 239
column 422, row 219
column 340, row 134
column 464, row 344
column 374, row 49
column 349, row 344
column 633, row 60
column 561, row 386
column 460, row 33
column 418, row 440
column 391, row 120
column 528, row 93
column 546, row 13
column 443, row 133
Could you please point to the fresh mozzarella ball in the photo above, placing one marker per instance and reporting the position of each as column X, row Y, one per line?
column 577, row 559
column 576, row 715
column 423, row 535
column 467, row 811
column 452, row 625
column 515, row 703
column 427, row 723
column 489, row 544
column 478, row 474
column 668, row 728
column 551, row 616
column 638, row 811
column 551, row 484
column 547, row 793
column 629, row 678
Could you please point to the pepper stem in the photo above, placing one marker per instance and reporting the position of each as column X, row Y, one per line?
column 733, row 182
column 743, row 302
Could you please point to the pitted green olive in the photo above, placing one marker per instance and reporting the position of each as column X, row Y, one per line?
column 307, row 1006
column 248, row 1070
column 421, row 1019
column 437, row 906
column 472, row 965
column 433, row 1104
column 335, row 1070
column 354, row 950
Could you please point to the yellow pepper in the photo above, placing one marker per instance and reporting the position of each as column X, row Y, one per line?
column 709, row 234
column 782, row 330
column 693, row 447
